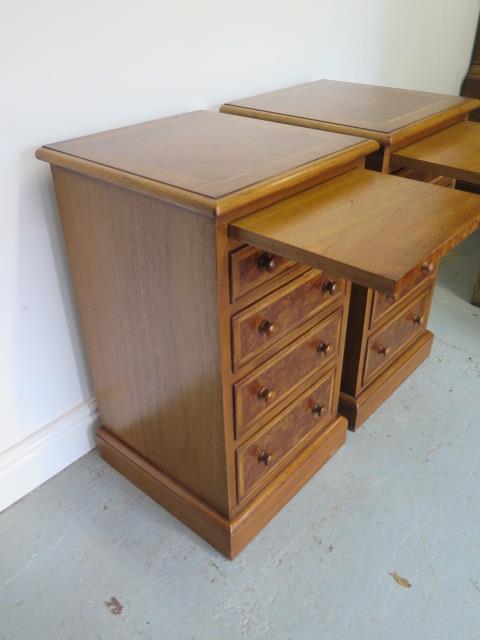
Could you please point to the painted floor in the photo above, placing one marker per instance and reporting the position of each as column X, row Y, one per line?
column 87, row 555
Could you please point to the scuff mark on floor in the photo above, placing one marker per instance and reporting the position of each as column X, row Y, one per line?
column 475, row 584
column 114, row 605
column 402, row 582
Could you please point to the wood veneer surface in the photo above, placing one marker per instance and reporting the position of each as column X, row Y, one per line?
column 211, row 154
column 371, row 228
column 145, row 281
column 453, row 152
column 375, row 108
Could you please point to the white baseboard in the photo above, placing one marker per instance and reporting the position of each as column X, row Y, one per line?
column 40, row 456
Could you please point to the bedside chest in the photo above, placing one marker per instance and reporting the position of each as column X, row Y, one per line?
column 422, row 135
column 212, row 258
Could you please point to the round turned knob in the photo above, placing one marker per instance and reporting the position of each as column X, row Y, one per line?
column 324, row 347
column 418, row 320
column 319, row 409
column 330, row 286
column 266, row 327
column 384, row 351
column 266, row 394
column 266, row 262
column 392, row 296
column 265, row 457
column 428, row 267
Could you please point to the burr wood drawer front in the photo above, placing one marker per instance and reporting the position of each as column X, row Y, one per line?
column 387, row 342
column 267, row 386
column 382, row 303
column 251, row 267
column 262, row 456
column 262, row 324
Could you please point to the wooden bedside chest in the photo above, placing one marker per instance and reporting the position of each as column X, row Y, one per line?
column 212, row 258
column 422, row 135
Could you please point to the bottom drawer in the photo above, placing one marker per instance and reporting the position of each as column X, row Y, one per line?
column 387, row 342
column 262, row 456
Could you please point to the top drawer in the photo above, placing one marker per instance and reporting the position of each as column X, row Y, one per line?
column 382, row 303
column 265, row 322
column 251, row 267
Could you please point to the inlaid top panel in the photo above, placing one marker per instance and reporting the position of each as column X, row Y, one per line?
column 363, row 106
column 208, row 153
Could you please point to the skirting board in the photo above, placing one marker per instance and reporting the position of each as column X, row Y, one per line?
column 32, row 461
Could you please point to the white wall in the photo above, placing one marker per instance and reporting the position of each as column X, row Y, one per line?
column 72, row 68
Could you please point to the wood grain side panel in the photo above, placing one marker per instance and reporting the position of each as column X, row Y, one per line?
column 146, row 284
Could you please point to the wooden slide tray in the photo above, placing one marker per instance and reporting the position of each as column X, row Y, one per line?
column 453, row 152
column 369, row 227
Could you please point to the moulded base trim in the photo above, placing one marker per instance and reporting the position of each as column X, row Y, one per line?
column 227, row 536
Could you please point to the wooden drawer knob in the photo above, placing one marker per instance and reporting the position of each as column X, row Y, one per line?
column 392, row 296
column 265, row 457
column 382, row 350
column 418, row 320
column 330, row 286
column 319, row 409
column 266, row 327
column 266, row 262
column 324, row 347
column 266, row 394
column 428, row 267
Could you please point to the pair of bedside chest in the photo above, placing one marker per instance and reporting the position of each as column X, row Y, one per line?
column 423, row 136
column 227, row 271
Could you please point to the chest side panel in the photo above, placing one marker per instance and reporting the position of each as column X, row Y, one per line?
column 145, row 280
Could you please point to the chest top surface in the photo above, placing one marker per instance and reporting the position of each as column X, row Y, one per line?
column 210, row 154
column 369, row 107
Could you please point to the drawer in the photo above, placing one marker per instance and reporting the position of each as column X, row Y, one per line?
column 251, row 267
column 265, row 322
column 382, row 303
column 263, row 389
column 422, row 176
column 263, row 456
column 385, row 344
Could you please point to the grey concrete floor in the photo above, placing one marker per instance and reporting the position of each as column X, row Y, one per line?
column 402, row 496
